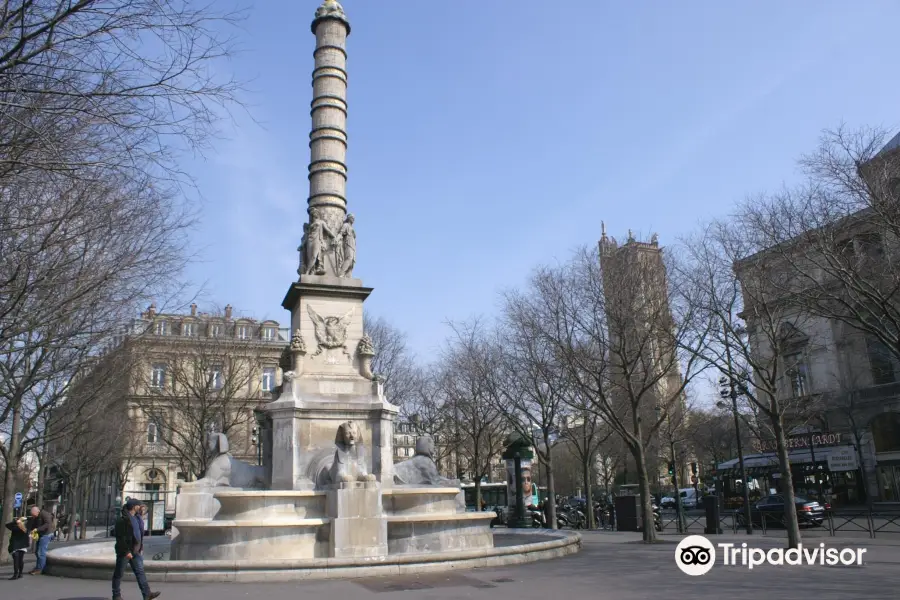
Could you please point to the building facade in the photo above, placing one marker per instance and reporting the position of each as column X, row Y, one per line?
column 840, row 384
column 180, row 378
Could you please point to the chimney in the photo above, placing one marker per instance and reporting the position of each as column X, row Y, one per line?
column 228, row 312
column 193, row 310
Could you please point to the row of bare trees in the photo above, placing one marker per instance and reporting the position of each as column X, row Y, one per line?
column 615, row 344
column 98, row 101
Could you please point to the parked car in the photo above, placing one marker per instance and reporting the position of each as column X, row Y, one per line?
column 809, row 512
column 667, row 502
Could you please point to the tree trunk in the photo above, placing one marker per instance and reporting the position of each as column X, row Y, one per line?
column 551, row 493
column 9, row 480
column 82, row 533
column 790, row 509
column 478, row 494
column 588, row 494
column 42, row 477
column 648, row 525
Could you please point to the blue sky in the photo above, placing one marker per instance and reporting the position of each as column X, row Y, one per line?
column 489, row 137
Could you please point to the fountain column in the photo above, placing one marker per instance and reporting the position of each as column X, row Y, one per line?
column 328, row 137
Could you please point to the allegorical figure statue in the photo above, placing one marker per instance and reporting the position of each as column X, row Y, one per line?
column 420, row 469
column 349, row 456
column 225, row 470
column 315, row 246
column 301, row 270
column 345, row 248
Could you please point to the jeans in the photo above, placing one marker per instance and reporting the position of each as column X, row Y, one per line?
column 41, row 552
column 137, row 567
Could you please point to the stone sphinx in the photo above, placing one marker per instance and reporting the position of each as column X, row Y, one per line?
column 421, row 469
column 226, row 471
column 349, row 458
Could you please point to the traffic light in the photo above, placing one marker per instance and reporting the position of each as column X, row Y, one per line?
column 693, row 468
column 671, row 468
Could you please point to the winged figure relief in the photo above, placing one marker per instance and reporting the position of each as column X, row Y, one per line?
column 331, row 332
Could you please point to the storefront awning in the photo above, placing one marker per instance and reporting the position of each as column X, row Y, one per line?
column 764, row 464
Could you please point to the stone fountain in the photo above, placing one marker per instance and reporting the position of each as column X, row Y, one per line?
column 328, row 502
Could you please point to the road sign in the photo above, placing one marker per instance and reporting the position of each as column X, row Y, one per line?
column 18, row 503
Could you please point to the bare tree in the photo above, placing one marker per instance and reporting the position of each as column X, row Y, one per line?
column 480, row 429
column 529, row 384
column 585, row 434
column 429, row 412
column 623, row 334
column 754, row 333
column 835, row 236
column 393, row 361
column 188, row 390
column 97, row 99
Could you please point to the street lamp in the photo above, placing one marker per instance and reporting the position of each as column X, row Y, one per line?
column 730, row 390
column 679, row 511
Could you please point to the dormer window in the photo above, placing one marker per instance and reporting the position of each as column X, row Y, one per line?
column 188, row 329
column 268, row 333
column 243, row 332
column 215, row 330
column 162, row 328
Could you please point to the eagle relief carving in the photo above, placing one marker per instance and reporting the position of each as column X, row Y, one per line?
column 331, row 332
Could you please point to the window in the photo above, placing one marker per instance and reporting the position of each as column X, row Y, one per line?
column 188, row 329
column 798, row 374
column 162, row 328
column 215, row 377
column 152, row 432
column 243, row 332
column 215, row 330
column 181, row 476
column 268, row 333
column 268, row 379
column 158, row 377
column 880, row 362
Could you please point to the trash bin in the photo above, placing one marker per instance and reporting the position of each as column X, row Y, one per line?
column 711, row 504
column 628, row 513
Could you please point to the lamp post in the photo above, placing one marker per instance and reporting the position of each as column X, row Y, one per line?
column 729, row 390
column 679, row 509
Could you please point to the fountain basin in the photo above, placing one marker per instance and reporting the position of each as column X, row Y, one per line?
column 96, row 560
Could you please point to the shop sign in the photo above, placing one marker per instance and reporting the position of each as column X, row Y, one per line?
column 843, row 459
column 800, row 441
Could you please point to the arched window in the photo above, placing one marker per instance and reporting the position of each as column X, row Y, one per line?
column 886, row 432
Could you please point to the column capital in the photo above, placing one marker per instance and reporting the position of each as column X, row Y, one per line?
column 330, row 9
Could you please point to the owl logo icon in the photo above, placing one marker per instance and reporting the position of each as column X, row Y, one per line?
column 695, row 555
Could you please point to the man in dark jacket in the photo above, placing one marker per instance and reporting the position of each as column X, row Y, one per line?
column 129, row 549
column 42, row 522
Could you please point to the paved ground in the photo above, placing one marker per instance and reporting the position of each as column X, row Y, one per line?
column 611, row 565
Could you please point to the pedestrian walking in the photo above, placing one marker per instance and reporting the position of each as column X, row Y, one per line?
column 41, row 527
column 18, row 544
column 130, row 549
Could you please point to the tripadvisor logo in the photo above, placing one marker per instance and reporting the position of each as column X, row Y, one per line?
column 695, row 555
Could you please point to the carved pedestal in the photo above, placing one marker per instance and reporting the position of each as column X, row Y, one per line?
column 358, row 527
column 329, row 386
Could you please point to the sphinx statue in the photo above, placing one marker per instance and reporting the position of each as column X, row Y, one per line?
column 226, row 471
column 421, row 468
column 348, row 462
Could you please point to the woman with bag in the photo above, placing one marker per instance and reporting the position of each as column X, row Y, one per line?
column 18, row 544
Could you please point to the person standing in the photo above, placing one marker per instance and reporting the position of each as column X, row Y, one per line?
column 41, row 523
column 18, row 544
column 129, row 549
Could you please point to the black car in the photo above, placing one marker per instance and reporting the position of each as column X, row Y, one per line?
column 809, row 512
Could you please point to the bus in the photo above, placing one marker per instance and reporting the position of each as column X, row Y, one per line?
column 492, row 494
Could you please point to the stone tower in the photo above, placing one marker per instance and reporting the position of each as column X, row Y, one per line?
column 330, row 379
column 640, row 321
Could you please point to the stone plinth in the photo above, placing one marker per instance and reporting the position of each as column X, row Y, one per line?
column 251, row 524
column 192, row 505
column 429, row 519
column 358, row 527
